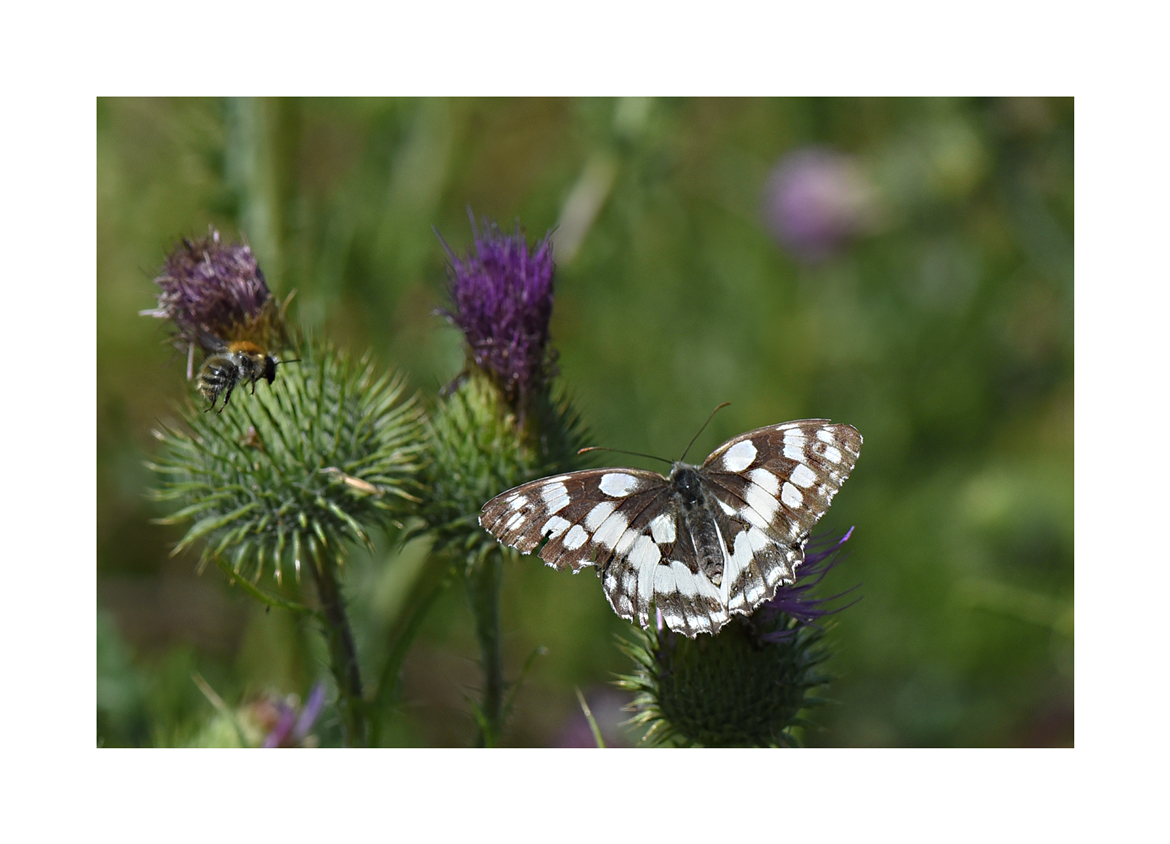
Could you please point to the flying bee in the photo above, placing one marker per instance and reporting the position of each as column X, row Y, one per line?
column 229, row 364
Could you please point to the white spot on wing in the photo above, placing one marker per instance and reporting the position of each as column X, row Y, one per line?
column 825, row 436
column 644, row 557
column 706, row 589
column 832, row 454
column 803, row 476
column 575, row 538
column 760, row 501
column 618, row 484
column 556, row 496
column 765, row 480
column 752, row 516
column 735, row 563
column 739, row 456
column 684, row 581
column 795, row 445
column 625, row 542
column 555, row 526
column 791, row 496
column 611, row 531
column 664, row 582
column 598, row 515
column 662, row 529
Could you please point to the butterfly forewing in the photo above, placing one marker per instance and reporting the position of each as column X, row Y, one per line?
column 776, row 482
column 583, row 514
column 782, row 478
column 698, row 546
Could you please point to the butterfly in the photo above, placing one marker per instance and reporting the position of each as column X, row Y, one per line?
column 698, row 545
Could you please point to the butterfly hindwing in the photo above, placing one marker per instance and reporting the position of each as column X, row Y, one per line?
column 698, row 546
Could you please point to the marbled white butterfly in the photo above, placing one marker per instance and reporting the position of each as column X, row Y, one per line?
column 698, row 544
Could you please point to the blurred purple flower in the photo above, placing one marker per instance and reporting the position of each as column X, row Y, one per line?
column 212, row 288
column 293, row 726
column 502, row 297
column 814, row 200
column 821, row 555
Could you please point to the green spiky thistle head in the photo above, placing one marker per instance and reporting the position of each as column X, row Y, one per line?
column 295, row 471
column 750, row 685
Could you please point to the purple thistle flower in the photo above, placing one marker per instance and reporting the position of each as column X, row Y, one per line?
column 209, row 287
column 821, row 555
column 502, row 297
column 292, row 726
column 814, row 200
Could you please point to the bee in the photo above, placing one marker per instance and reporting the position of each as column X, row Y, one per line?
column 230, row 364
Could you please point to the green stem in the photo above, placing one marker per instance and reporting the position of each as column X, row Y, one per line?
column 420, row 602
column 483, row 591
column 342, row 653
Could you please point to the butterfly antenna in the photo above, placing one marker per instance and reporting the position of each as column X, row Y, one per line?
column 292, row 360
column 621, row 451
column 705, row 424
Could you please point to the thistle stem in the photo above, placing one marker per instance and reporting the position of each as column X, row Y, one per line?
column 420, row 603
column 483, row 591
column 342, row 654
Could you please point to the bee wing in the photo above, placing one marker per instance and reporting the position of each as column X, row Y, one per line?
column 210, row 342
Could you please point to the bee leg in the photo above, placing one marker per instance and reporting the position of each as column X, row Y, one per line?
column 227, row 396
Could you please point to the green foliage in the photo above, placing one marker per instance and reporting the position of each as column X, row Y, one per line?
column 735, row 689
column 296, row 470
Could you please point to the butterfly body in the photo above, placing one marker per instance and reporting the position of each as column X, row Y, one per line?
column 700, row 544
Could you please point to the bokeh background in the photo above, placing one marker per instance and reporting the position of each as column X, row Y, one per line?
column 904, row 265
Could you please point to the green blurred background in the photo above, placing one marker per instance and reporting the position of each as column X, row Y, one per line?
column 935, row 315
